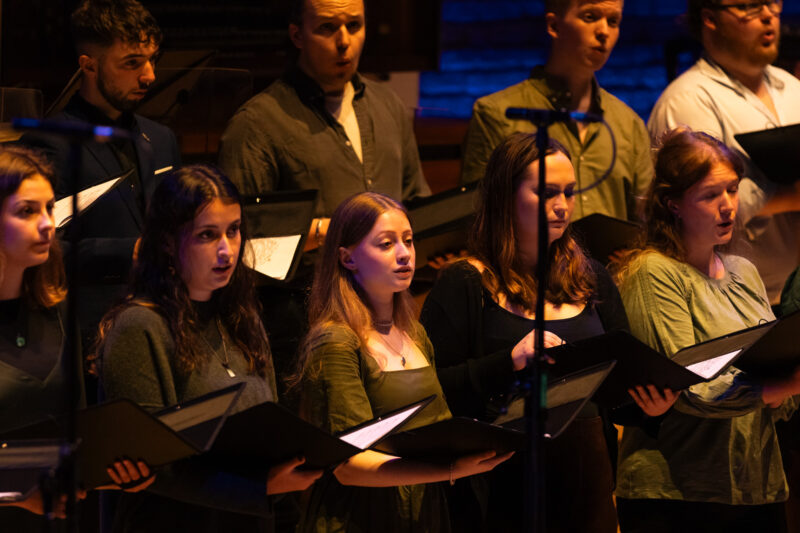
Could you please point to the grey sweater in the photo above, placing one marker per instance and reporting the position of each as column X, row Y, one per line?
column 194, row 494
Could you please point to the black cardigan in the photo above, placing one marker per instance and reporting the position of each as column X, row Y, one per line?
column 453, row 317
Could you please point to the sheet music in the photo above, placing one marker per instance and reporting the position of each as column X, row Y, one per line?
column 367, row 436
column 708, row 368
column 62, row 211
column 273, row 255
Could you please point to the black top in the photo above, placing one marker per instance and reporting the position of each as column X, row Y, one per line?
column 504, row 328
column 26, row 342
column 472, row 368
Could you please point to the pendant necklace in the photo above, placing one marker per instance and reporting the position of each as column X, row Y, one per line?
column 224, row 361
column 399, row 352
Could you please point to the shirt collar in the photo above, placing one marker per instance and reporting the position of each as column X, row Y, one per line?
column 714, row 70
column 310, row 91
column 556, row 91
column 95, row 116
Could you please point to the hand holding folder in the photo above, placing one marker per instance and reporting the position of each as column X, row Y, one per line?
column 638, row 364
column 122, row 429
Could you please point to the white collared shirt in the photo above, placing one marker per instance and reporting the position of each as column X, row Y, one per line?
column 705, row 98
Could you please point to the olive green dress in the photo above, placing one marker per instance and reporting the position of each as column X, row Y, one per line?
column 350, row 389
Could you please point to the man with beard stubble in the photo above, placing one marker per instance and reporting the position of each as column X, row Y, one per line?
column 117, row 43
column 733, row 88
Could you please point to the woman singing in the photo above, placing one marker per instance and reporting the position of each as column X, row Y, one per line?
column 366, row 355
column 480, row 318
column 715, row 464
column 189, row 326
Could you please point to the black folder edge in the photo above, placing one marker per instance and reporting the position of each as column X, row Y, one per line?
column 252, row 436
column 560, row 416
column 438, row 232
column 92, row 465
column 602, row 235
column 771, row 356
column 448, row 439
column 637, row 363
column 418, row 405
column 123, row 177
column 768, row 149
column 252, row 204
column 20, row 478
column 236, row 391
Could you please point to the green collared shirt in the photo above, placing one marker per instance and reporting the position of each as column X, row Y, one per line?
column 630, row 177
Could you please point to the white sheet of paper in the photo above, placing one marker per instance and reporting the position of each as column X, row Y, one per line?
column 367, row 436
column 273, row 255
column 709, row 367
column 62, row 211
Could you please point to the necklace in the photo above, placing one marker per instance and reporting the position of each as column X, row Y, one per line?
column 399, row 352
column 224, row 361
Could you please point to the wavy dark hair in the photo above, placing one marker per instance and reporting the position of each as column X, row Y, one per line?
column 336, row 297
column 493, row 240
column 685, row 158
column 156, row 280
column 102, row 22
column 44, row 284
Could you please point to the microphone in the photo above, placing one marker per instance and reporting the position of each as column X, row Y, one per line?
column 550, row 116
column 73, row 129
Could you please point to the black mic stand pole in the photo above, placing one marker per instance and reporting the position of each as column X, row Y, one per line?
column 536, row 375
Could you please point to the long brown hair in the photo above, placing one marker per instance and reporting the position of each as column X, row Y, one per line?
column 336, row 297
column 493, row 240
column 156, row 280
column 45, row 284
column 685, row 158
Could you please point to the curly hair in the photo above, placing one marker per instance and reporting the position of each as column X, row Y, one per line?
column 493, row 240
column 44, row 284
column 156, row 279
column 102, row 22
column 685, row 158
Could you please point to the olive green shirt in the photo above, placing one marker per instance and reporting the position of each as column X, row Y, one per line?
column 718, row 442
column 632, row 172
column 347, row 388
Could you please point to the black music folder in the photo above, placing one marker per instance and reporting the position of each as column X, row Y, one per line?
column 278, row 223
column 639, row 364
column 566, row 396
column 62, row 210
column 602, row 235
column 22, row 466
column 121, row 428
column 269, row 433
column 774, row 151
column 777, row 353
column 441, row 224
column 448, row 439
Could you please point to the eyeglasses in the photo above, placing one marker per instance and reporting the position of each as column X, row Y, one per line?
column 750, row 10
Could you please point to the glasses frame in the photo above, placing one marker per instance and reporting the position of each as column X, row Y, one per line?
column 774, row 6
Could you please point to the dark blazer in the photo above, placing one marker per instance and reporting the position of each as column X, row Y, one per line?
column 110, row 227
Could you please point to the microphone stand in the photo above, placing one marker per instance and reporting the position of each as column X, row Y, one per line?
column 536, row 372
column 535, row 383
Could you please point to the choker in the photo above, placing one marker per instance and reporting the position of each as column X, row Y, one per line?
column 383, row 326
